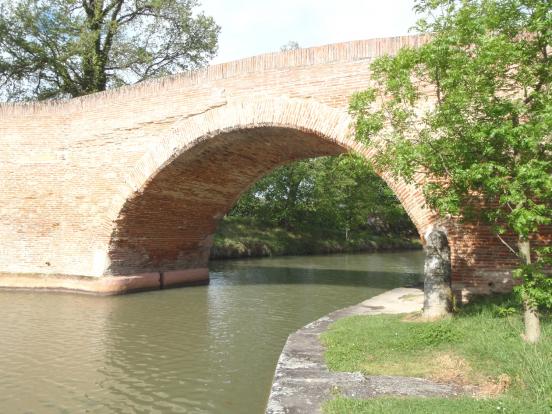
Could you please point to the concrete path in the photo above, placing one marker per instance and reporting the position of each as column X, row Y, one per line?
column 302, row 381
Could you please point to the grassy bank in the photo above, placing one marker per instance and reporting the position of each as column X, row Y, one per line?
column 475, row 348
column 237, row 237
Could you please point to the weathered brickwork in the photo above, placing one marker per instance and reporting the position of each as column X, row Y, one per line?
column 130, row 184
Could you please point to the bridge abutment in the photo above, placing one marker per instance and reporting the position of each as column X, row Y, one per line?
column 105, row 285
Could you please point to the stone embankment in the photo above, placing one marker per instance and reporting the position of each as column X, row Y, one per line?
column 302, row 382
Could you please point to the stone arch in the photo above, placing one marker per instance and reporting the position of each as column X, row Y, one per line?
column 168, row 207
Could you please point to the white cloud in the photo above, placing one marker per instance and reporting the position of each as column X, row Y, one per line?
column 251, row 27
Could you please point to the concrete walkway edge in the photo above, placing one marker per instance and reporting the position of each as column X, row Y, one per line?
column 302, row 381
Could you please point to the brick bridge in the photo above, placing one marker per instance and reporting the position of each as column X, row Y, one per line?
column 123, row 190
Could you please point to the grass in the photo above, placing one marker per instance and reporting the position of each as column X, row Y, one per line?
column 426, row 406
column 475, row 348
column 238, row 237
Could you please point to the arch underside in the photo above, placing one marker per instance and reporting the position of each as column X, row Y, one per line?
column 169, row 225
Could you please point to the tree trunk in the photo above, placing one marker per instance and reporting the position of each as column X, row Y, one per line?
column 530, row 314
column 437, row 276
column 532, row 323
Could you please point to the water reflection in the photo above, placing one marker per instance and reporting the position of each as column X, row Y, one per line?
column 209, row 349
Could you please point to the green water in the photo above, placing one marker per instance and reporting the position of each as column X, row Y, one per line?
column 209, row 349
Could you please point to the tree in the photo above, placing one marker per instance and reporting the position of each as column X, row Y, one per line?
column 483, row 147
column 67, row 48
column 280, row 198
column 328, row 195
column 291, row 45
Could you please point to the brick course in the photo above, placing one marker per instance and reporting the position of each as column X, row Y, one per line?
column 133, row 181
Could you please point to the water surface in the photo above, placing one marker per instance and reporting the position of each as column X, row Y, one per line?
column 208, row 349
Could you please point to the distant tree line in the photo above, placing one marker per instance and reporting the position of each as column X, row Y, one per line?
column 329, row 194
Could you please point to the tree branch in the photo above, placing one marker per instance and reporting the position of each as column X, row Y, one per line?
column 112, row 29
column 507, row 245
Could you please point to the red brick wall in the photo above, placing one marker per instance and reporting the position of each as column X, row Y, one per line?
column 135, row 180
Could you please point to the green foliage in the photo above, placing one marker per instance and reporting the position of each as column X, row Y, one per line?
column 434, row 335
column 248, row 237
column 501, row 306
column 338, row 196
column 485, row 143
column 536, row 287
column 489, row 346
column 504, row 311
column 67, row 48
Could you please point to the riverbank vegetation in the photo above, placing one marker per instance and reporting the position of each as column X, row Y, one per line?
column 479, row 348
column 241, row 237
column 322, row 205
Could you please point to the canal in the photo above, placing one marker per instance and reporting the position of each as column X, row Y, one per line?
column 208, row 349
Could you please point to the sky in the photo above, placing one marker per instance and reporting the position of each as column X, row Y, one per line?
column 253, row 27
